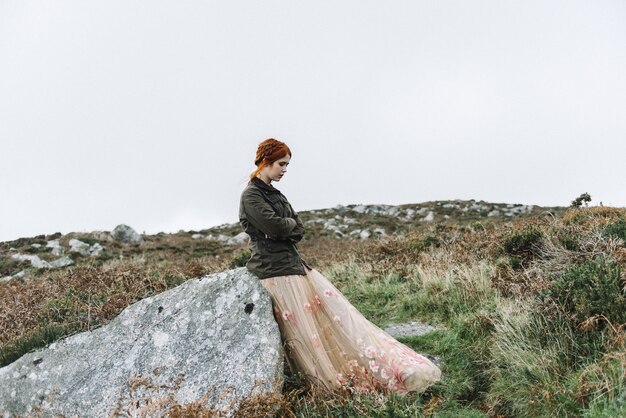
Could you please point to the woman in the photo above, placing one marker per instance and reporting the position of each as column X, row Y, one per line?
column 325, row 337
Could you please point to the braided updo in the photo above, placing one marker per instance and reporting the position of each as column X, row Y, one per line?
column 269, row 151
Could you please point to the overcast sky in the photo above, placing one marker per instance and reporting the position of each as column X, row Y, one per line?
column 149, row 112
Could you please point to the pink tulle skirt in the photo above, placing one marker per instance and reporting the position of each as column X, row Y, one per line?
column 334, row 345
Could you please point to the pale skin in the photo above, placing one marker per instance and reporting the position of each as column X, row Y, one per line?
column 275, row 171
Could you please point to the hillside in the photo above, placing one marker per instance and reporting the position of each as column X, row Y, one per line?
column 352, row 222
column 528, row 302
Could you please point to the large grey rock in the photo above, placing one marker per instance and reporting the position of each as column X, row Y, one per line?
column 430, row 217
column 96, row 249
column 38, row 263
column 57, row 249
column 359, row 209
column 126, row 234
column 240, row 238
column 77, row 246
column 61, row 262
column 35, row 261
column 216, row 330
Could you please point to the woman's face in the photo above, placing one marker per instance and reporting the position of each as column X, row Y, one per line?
column 277, row 170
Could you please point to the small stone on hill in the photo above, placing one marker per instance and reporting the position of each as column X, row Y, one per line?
column 413, row 329
column 408, row 329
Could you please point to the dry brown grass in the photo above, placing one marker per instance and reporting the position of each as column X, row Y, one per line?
column 593, row 216
column 146, row 397
column 99, row 293
column 603, row 379
column 91, row 295
column 324, row 252
column 88, row 295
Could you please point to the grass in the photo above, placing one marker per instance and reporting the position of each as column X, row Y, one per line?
column 544, row 336
column 80, row 298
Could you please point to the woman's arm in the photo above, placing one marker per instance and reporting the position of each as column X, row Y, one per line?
column 262, row 216
column 298, row 232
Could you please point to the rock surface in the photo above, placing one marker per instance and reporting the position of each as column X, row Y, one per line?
column 126, row 234
column 35, row 261
column 61, row 262
column 77, row 246
column 240, row 238
column 57, row 249
column 408, row 329
column 216, row 330
column 413, row 329
column 38, row 263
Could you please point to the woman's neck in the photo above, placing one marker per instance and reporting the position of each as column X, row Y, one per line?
column 265, row 180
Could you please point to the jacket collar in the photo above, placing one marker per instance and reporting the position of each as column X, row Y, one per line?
column 261, row 184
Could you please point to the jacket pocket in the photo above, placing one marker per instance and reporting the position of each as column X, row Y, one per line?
column 277, row 204
column 275, row 247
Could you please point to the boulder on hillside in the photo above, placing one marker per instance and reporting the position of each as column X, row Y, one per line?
column 82, row 248
column 240, row 238
column 35, row 261
column 38, row 263
column 217, row 331
column 61, row 262
column 126, row 234
column 57, row 249
column 96, row 249
column 77, row 246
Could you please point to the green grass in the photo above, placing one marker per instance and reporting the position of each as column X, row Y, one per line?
column 32, row 341
column 555, row 348
column 515, row 358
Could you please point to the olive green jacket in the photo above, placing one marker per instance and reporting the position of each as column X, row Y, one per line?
column 274, row 229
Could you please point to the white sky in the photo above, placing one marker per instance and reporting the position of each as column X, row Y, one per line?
column 149, row 112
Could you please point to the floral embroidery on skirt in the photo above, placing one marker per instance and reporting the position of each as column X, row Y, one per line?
column 335, row 345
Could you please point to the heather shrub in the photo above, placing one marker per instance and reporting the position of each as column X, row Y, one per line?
column 569, row 240
column 591, row 289
column 616, row 230
column 240, row 258
column 524, row 243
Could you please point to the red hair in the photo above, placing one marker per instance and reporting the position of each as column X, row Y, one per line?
column 267, row 153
